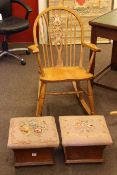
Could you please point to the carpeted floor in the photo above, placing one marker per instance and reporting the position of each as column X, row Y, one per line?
column 18, row 95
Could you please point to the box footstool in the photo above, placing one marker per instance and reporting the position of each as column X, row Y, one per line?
column 33, row 140
column 84, row 138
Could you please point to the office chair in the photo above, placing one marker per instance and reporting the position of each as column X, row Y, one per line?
column 10, row 25
column 58, row 57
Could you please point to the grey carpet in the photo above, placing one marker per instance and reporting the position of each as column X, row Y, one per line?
column 18, row 95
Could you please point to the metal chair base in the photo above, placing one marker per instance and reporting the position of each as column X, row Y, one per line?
column 6, row 51
column 21, row 60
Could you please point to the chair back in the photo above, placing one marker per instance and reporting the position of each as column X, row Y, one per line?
column 5, row 8
column 59, row 30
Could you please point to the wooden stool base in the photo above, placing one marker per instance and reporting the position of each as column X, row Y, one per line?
column 84, row 154
column 29, row 157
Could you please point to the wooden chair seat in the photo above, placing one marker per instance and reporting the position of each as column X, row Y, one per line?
column 65, row 74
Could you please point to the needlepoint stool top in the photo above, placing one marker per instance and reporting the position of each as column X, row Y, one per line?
column 33, row 132
column 84, row 130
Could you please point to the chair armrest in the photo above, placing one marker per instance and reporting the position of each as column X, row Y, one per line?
column 92, row 47
column 113, row 113
column 33, row 48
column 27, row 8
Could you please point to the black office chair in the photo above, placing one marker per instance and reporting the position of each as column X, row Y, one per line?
column 10, row 25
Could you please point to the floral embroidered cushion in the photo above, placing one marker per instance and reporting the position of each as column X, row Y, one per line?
column 33, row 132
column 84, row 130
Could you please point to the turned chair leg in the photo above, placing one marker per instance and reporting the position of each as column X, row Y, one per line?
column 90, row 96
column 41, row 96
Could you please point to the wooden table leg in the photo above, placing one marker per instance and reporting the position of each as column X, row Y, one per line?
column 114, row 56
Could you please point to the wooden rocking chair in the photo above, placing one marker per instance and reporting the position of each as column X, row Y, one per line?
column 57, row 54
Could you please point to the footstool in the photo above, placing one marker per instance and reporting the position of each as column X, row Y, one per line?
column 33, row 140
column 84, row 138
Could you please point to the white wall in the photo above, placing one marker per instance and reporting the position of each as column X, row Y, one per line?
column 42, row 4
column 115, row 3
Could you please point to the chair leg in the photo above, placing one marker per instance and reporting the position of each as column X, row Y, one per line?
column 41, row 96
column 90, row 96
column 21, row 60
column 6, row 51
column 39, row 86
column 20, row 49
column 2, row 53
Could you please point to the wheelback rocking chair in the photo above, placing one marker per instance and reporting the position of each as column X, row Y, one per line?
column 57, row 54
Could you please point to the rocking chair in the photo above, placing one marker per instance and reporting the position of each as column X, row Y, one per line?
column 57, row 54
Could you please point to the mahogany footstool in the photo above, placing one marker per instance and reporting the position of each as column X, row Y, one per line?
column 33, row 140
column 84, row 138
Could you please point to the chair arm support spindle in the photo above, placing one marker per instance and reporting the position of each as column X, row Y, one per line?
column 94, row 49
column 35, row 50
column 91, row 61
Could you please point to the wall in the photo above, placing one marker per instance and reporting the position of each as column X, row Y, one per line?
column 115, row 3
column 25, row 36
